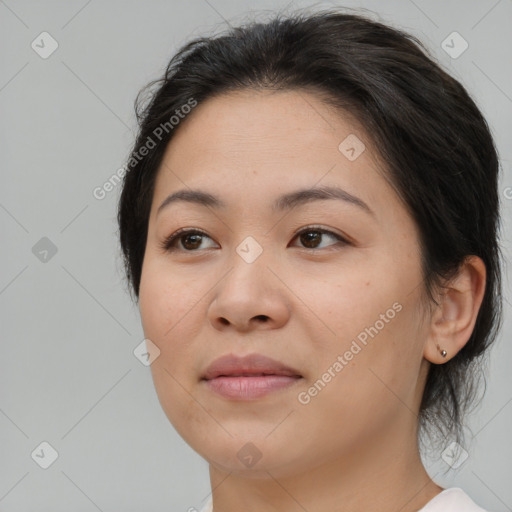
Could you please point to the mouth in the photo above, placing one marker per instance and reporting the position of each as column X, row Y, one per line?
column 249, row 377
column 249, row 387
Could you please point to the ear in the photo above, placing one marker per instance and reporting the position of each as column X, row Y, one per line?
column 453, row 320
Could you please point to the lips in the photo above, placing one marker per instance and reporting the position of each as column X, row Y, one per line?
column 252, row 365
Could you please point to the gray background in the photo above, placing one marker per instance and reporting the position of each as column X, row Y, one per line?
column 68, row 373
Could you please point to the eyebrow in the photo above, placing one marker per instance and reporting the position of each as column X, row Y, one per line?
column 287, row 201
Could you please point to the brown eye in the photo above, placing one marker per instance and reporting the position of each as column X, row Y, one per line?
column 312, row 236
column 190, row 239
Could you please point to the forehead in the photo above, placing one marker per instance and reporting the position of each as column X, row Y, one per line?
column 256, row 144
column 265, row 120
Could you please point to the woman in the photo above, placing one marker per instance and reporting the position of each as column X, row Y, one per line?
column 309, row 223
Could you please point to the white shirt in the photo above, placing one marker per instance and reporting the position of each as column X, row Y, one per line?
column 453, row 499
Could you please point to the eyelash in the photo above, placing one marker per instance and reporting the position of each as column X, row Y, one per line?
column 166, row 245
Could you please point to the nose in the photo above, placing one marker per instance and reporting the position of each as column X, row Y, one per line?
column 250, row 296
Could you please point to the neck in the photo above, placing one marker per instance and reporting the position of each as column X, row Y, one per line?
column 385, row 474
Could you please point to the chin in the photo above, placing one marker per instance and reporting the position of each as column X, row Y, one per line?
column 258, row 457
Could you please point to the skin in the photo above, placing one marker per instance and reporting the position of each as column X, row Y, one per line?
column 353, row 447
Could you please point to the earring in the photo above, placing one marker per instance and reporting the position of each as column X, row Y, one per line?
column 443, row 352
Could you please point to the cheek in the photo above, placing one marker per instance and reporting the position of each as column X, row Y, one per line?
column 167, row 315
column 370, row 320
column 173, row 311
column 370, row 388
column 350, row 300
column 168, row 303
column 176, row 399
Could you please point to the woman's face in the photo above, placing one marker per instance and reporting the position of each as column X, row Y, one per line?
column 262, row 279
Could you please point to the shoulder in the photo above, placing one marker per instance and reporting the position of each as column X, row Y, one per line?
column 452, row 499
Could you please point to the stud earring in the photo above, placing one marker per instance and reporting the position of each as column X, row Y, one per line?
column 443, row 352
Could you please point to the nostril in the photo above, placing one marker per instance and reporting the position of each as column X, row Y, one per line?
column 263, row 318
